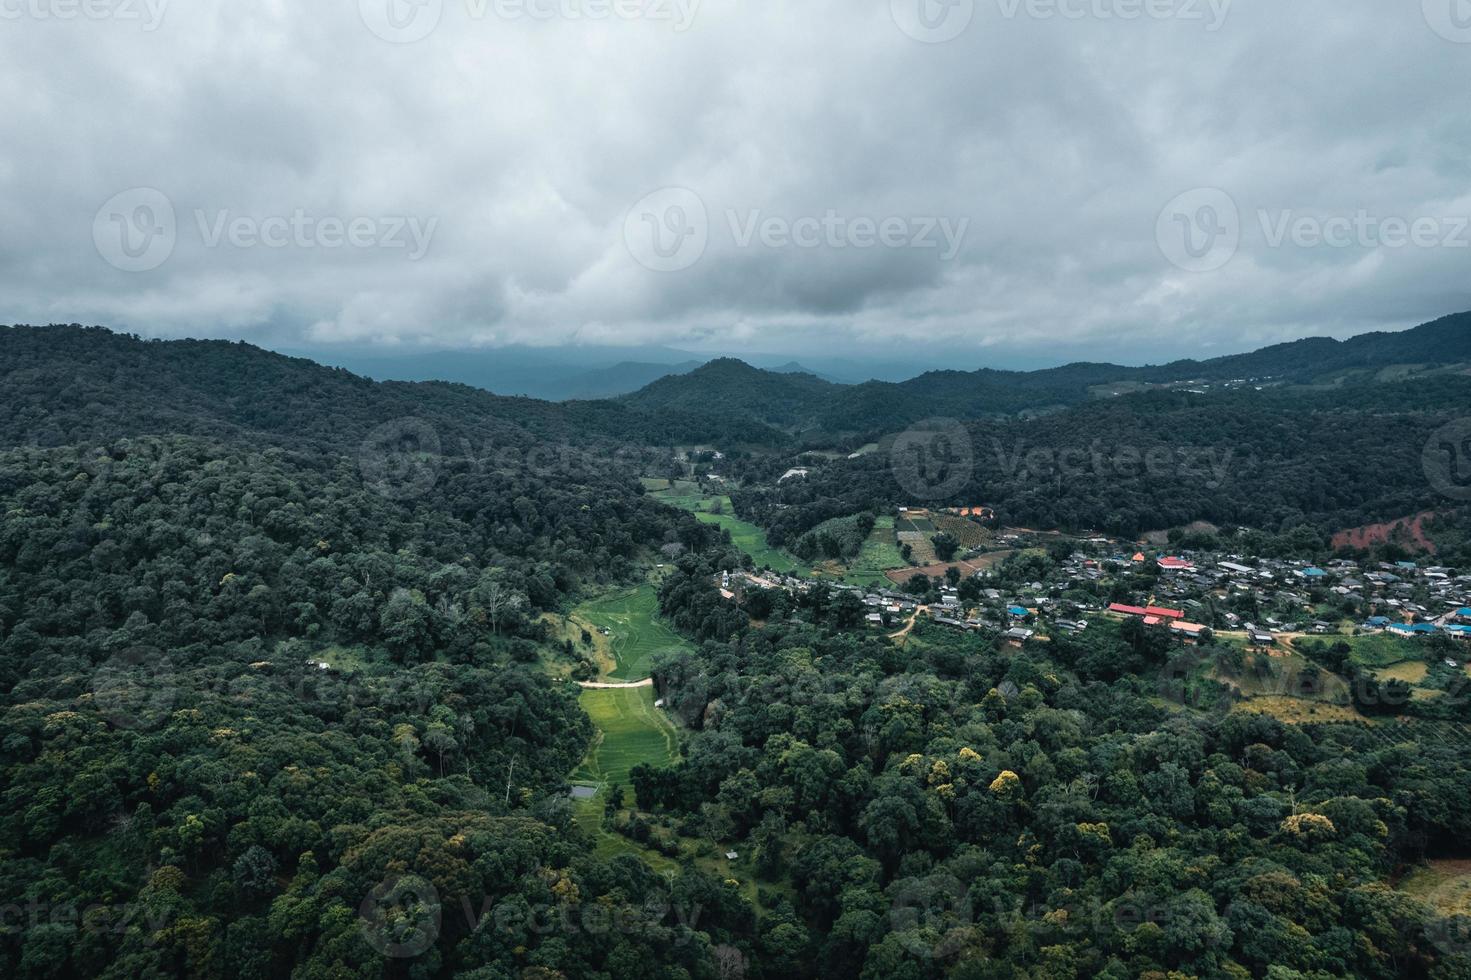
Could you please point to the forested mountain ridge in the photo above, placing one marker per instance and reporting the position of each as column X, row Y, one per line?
column 260, row 687
column 254, row 676
column 798, row 404
column 1323, row 459
column 66, row 383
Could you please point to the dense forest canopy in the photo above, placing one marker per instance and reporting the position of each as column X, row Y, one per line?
column 287, row 660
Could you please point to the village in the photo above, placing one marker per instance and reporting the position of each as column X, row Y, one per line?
column 1191, row 595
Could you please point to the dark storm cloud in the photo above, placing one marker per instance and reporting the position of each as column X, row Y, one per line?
column 994, row 173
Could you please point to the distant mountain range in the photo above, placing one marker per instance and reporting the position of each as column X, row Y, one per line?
column 549, row 374
column 73, row 378
column 804, row 403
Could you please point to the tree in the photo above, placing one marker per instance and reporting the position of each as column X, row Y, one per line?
column 946, row 545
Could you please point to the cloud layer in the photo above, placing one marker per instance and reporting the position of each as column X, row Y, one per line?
column 1126, row 178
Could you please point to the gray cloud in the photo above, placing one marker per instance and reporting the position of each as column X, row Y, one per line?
column 527, row 141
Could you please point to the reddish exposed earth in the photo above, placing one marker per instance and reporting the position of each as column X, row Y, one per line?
column 1408, row 531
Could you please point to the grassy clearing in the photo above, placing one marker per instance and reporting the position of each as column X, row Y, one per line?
column 1444, row 884
column 1378, row 650
column 1412, row 672
column 635, row 633
column 1296, row 711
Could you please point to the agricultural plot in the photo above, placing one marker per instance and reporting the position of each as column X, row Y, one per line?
column 635, row 633
column 745, row 535
column 630, row 731
column 880, row 553
column 752, row 540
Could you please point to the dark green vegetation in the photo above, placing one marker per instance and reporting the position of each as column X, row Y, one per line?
column 276, row 642
column 956, row 808
column 803, row 403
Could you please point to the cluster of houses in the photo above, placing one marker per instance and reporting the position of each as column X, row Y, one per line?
column 1172, row 619
column 1407, row 599
column 1401, row 598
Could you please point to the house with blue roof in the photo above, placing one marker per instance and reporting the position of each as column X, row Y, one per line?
column 1312, row 573
column 1017, row 612
column 1463, row 613
column 1408, row 629
column 1377, row 622
column 1459, row 632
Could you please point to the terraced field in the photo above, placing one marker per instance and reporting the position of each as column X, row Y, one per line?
column 635, row 633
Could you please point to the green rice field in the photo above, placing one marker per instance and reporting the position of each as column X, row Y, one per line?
column 636, row 634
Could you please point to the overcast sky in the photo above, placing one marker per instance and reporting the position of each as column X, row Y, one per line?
column 1131, row 179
